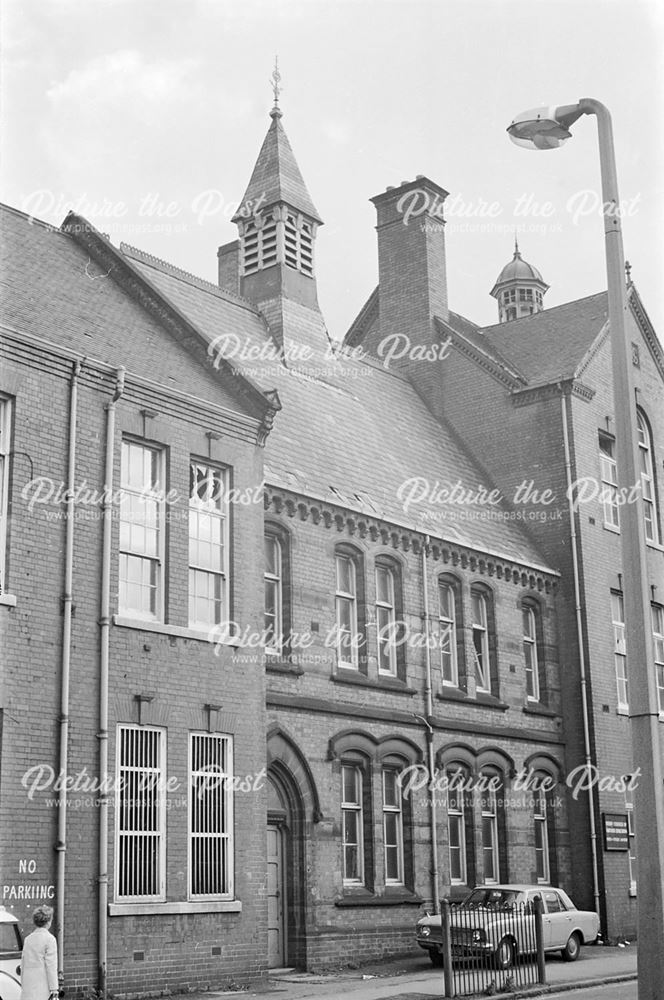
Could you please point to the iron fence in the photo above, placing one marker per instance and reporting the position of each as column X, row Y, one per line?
column 492, row 948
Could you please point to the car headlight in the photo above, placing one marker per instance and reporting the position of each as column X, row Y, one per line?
column 478, row 937
column 424, row 931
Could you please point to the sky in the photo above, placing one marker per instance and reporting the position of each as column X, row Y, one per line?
column 147, row 117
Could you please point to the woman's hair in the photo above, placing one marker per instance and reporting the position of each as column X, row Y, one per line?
column 42, row 915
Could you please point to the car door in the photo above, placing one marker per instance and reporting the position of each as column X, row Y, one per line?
column 557, row 920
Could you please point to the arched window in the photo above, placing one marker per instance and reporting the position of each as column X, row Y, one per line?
column 353, row 798
column 277, row 622
column 273, row 596
column 492, row 825
column 483, row 639
column 448, row 606
column 541, row 835
column 393, row 846
column 349, row 606
column 648, row 486
column 460, row 832
column 386, row 619
column 543, row 803
column 533, row 655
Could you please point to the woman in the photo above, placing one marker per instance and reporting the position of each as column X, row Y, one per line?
column 39, row 962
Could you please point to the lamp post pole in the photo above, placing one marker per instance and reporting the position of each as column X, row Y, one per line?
column 643, row 694
column 643, row 697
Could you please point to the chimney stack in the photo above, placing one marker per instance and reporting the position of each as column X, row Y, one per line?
column 411, row 261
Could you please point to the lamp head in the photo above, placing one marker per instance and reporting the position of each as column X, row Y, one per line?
column 544, row 128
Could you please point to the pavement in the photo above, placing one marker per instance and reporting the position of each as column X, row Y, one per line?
column 413, row 978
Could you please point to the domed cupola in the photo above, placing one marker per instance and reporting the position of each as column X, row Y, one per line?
column 519, row 289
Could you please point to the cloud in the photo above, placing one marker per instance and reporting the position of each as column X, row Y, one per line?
column 123, row 80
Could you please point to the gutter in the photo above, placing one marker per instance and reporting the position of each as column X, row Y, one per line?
column 67, row 608
column 582, row 657
column 102, row 735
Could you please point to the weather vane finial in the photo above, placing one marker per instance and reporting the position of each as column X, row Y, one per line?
column 275, row 81
column 516, row 244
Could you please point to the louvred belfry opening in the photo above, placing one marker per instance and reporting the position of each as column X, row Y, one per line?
column 259, row 245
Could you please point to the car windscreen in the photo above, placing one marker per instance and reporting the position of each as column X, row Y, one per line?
column 10, row 939
column 492, row 898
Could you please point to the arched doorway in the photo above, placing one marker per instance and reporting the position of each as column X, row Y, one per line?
column 292, row 809
column 278, row 853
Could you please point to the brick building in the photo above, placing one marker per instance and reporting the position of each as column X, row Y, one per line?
column 400, row 603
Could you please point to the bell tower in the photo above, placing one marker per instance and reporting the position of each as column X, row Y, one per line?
column 277, row 224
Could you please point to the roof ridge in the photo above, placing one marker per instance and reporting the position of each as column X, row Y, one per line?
column 135, row 253
column 32, row 219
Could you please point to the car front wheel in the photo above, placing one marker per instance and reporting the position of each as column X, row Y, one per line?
column 504, row 955
column 436, row 959
column 571, row 950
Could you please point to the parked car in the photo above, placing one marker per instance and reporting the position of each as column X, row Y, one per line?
column 497, row 922
column 11, row 946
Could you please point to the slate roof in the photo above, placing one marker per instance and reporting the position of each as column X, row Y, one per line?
column 350, row 434
column 276, row 176
column 534, row 350
column 551, row 344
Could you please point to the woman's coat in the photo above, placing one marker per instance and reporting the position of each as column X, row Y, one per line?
column 39, row 965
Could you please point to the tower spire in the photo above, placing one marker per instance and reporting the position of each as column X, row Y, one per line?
column 275, row 83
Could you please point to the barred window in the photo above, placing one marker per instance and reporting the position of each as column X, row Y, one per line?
column 352, row 822
column 447, row 628
column 210, row 816
column 5, row 451
column 386, row 621
column 608, row 469
column 619, row 649
column 140, row 852
column 208, row 556
column 530, row 653
column 392, row 827
column 141, row 531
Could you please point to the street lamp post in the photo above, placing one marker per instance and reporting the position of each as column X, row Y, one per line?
column 548, row 128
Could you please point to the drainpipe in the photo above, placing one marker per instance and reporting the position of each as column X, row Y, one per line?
column 582, row 657
column 105, row 626
column 429, row 737
column 67, row 605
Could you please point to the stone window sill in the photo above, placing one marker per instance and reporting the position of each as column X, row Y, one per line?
column 480, row 700
column 9, row 600
column 384, row 684
column 276, row 665
column 392, row 897
column 535, row 708
column 143, row 625
column 185, row 906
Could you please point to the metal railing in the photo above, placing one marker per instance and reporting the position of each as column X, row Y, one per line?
column 493, row 948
